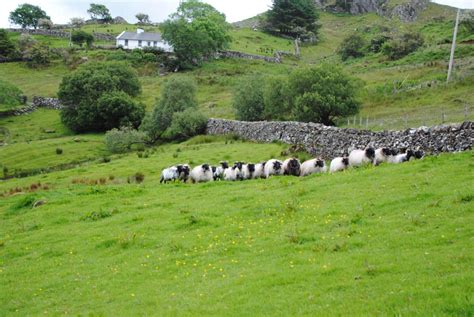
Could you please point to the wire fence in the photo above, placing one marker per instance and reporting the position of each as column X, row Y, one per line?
column 435, row 117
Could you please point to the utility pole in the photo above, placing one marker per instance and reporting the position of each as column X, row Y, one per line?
column 453, row 47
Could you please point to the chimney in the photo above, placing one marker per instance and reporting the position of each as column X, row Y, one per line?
column 140, row 31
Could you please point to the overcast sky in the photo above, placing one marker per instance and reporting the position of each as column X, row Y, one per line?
column 61, row 11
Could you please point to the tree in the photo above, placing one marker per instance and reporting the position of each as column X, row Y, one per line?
column 177, row 95
column 186, row 124
column 321, row 94
column 352, row 46
column 27, row 15
column 118, row 109
column 248, row 100
column 10, row 94
column 77, row 22
column 276, row 98
column 293, row 18
column 7, row 47
column 83, row 93
column 143, row 18
column 38, row 55
column 196, row 31
column 80, row 37
column 45, row 24
column 99, row 12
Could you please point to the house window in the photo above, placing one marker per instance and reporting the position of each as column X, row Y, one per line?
column 149, row 43
column 139, row 43
column 126, row 42
column 155, row 43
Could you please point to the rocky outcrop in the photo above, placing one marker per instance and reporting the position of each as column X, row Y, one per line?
column 330, row 142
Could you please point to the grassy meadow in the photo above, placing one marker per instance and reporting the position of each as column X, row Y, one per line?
column 388, row 240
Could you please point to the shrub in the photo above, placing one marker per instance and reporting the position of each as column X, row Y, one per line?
column 83, row 93
column 321, row 94
column 10, row 95
column 136, row 57
column 186, row 124
column 7, row 47
column 80, row 38
column 38, row 55
column 26, row 42
column 177, row 95
column 248, row 100
column 45, row 24
column 377, row 43
column 59, row 151
column 121, row 141
column 119, row 109
column 352, row 46
column 276, row 99
column 402, row 45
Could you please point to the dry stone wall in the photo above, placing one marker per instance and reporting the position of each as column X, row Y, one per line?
column 330, row 142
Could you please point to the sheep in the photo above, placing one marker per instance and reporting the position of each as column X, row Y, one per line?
column 313, row 166
column 232, row 174
column 183, row 172
column 259, row 170
column 248, row 171
column 218, row 171
column 273, row 167
column 201, row 174
column 292, row 166
column 383, row 155
column 361, row 157
column 339, row 164
column 419, row 154
column 169, row 174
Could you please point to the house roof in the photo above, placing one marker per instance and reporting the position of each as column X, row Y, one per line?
column 144, row 36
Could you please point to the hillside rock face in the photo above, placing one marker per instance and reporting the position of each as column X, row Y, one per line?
column 330, row 142
column 406, row 12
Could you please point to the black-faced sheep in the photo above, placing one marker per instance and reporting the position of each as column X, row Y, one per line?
column 169, row 174
column 361, row 157
column 183, row 172
column 292, row 166
column 218, row 171
column 339, row 164
column 383, row 155
column 313, row 166
column 259, row 170
column 248, row 171
column 201, row 174
column 273, row 167
column 232, row 174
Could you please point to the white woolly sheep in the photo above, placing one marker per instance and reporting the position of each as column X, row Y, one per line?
column 248, row 171
column 218, row 171
column 259, row 170
column 169, row 174
column 273, row 167
column 361, row 157
column 403, row 157
column 313, row 166
column 383, row 155
column 232, row 174
column 201, row 174
column 292, row 166
column 339, row 164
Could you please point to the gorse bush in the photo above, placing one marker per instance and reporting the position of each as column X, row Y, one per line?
column 121, row 141
column 38, row 55
column 352, row 46
column 403, row 45
column 97, row 97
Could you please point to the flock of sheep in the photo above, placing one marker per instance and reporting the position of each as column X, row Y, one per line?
column 292, row 166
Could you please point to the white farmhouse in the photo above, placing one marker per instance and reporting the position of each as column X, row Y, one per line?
column 141, row 39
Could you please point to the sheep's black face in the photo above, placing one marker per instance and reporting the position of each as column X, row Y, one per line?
column 276, row 165
column 410, row 154
column 186, row 170
column 345, row 161
column 370, row 153
column 419, row 154
column 320, row 163
column 213, row 169
column 393, row 152
column 224, row 165
column 251, row 168
column 263, row 164
column 387, row 151
column 205, row 167
column 238, row 165
column 180, row 169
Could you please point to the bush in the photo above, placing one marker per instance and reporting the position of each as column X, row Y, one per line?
column 177, row 95
column 248, row 100
column 11, row 95
column 121, row 141
column 26, row 42
column 276, row 99
column 377, row 43
column 82, row 94
column 186, row 124
column 80, row 38
column 7, row 47
column 38, row 55
column 136, row 57
column 402, row 46
column 352, row 46
column 321, row 94
column 59, row 151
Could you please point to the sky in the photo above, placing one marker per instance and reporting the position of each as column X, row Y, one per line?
column 61, row 11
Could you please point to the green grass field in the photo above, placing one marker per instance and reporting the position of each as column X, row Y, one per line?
column 388, row 240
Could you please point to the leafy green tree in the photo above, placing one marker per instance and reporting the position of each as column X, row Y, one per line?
column 322, row 94
column 248, row 100
column 118, row 109
column 99, row 12
column 10, row 94
column 143, row 18
column 82, row 93
column 7, row 47
column 186, row 124
column 27, row 15
column 177, row 95
column 293, row 18
column 38, row 55
column 196, row 31
column 352, row 46
column 80, row 37
column 276, row 99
